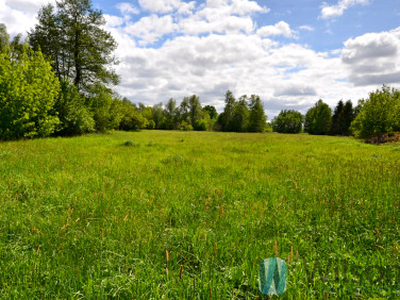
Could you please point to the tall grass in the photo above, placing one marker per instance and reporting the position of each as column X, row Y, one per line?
column 192, row 214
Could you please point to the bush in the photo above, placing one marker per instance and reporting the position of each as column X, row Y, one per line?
column 288, row 121
column 74, row 116
column 201, row 125
column 28, row 92
column 132, row 118
column 379, row 114
column 105, row 109
column 185, row 126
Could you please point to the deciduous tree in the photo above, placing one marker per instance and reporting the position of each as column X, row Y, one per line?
column 28, row 91
column 379, row 114
column 288, row 121
column 318, row 119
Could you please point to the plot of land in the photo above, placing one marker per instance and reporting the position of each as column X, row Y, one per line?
column 95, row 216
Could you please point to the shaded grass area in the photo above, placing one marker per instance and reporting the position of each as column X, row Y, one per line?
column 93, row 216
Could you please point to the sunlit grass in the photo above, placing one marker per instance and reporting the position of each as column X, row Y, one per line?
column 93, row 216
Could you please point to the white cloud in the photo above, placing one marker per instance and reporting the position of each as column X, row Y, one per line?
column 244, row 7
column 295, row 90
column 114, row 21
column 150, row 29
column 280, row 28
column 186, row 8
column 20, row 15
column 217, row 45
column 307, row 28
column 160, row 6
column 331, row 11
column 127, row 8
column 291, row 76
column 230, row 24
column 28, row 6
column 373, row 58
column 214, row 49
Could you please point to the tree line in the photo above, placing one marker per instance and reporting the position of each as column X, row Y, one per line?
column 375, row 117
column 60, row 82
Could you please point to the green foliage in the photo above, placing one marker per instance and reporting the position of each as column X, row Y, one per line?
column 105, row 109
column 318, row 119
column 288, row 121
column 185, row 126
column 212, row 112
column 225, row 120
column 4, row 38
column 72, row 112
column 342, row 118
column 158, row 115
column 195, row 110
column 379, row 114
column 183, row 112
column 258, row 119
column 147, row 114
column 73, row 36
column 28, row 91
column 204, row 123
column 240, row 115
column 131, row 119
column 150, row 124
column 170, row 112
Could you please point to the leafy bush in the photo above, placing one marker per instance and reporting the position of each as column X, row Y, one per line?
column 201, row 125
column 379, row 114
column 74, row 115
column 132, row 119
column 288, row 121
column 185, row 126
column 105, row 109
column 28, row 92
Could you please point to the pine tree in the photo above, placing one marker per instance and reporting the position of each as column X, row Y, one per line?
column 258, row 119
column 80, row 48
column 336, row 128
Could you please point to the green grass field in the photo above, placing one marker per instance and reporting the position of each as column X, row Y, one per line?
column 90, row 217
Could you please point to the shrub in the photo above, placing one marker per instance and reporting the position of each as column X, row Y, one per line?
column 28, row 92
column 379, row 114
column 288, row 121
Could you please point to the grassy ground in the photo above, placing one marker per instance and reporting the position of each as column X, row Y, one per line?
column 90, row 217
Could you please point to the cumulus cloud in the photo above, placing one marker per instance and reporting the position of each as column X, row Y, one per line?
column 160, row 6
column 244, row 7
column 206, row 48
column 373, row 58
column 280, row 28
column 186, row 8
column 127, row 8
column 150, row 29
column 28, row 6
column 214, row 49
column 331, row 11
column 295, row 90
column 246, row 64
column 20, row 15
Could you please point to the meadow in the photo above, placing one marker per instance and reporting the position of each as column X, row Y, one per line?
column 190, row 215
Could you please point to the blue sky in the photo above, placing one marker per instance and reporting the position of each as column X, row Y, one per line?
column 289, row 52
